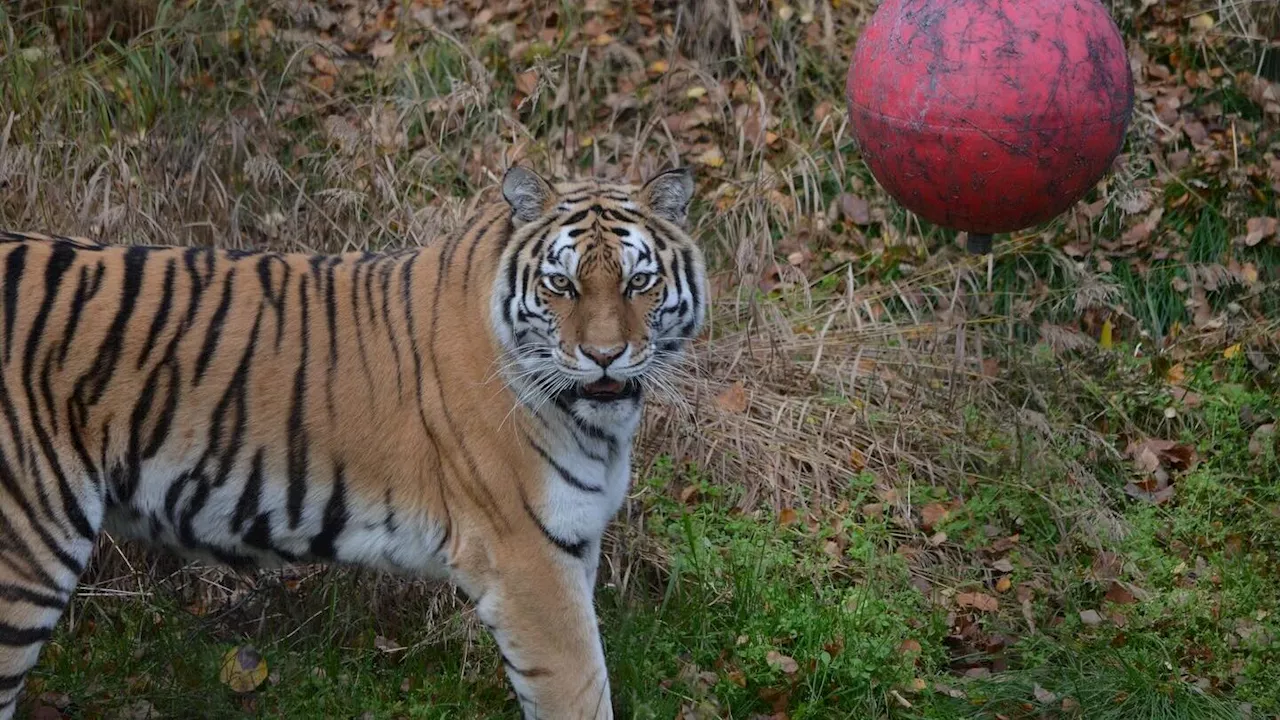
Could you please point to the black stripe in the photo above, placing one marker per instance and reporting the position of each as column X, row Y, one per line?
column 387, row 268
column 86, row 290
column 335, row 517
column 471, row 252
column 275, row 296
column 161, row 428
column 355, row 320
column 298, row 442
column 658, row 240
column 625, row 214
column 125, row 478
column 214, row 332
column 406, row 286
column 368, row 285
column 259, row 534
column 95, row 381
column 522, row 672
column 13, row 636
column 577, row 549
column 30, row 569
column 234, row 399
column 251, row 497
column 564, row 474
column 46, row 389
column 59, row 262
column 10, row 483
column 17, row 593
column 162, row 313
column 200, row 278
column 686, row 257
column 331, row 314
column 9, row 683
column 389, row 516
column 576, row 218
column 512, row 285
column 13, row 267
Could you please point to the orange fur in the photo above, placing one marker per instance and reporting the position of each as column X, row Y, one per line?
column 403, row 411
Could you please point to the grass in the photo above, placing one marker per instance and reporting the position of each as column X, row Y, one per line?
column 922, row 431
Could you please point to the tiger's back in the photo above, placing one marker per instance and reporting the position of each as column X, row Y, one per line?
column 261, row 408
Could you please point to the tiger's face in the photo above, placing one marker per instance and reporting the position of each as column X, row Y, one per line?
column 600, row 289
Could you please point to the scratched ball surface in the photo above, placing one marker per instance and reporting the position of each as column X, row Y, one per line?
column 989, row 115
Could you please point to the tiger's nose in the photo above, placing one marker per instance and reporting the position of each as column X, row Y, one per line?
column 603, row 356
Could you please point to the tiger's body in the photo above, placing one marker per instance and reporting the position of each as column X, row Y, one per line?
column 463, row 411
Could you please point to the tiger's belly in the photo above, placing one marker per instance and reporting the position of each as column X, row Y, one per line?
column 252, row 518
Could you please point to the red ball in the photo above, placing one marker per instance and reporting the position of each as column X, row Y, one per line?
column 989, row 115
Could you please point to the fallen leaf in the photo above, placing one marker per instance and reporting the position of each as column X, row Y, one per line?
column 932, row 514
column 526, row 82
column 711, row 158
column 909, row 647
column 323, row 64
column 658, row 67
column 1260, row 228
column 1203, row 22
column 978, row 601
column 856, row 459
column 733, row 399
column 323, row 83
column 387, row 645
column 854, row 209
column 1003, row 584
column 695, row 92
column 243, row 669
column 778, row 661
column 1105, row 339
column 1119, row 594
column 382, row 50
column 1263, row 437
column 1042, row 696
column 787, row 516
column 1090, row 617
column 138, row 710
column 1231, row 351
column 45, row 712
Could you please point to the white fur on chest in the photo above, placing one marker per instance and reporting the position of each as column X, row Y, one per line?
column 576, row 514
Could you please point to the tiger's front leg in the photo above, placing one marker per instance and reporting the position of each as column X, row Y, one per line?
column 537, row 603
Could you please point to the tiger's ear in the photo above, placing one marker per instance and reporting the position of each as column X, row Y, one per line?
column 527, row 193
column 668, row 193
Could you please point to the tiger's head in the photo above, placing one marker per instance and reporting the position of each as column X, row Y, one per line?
column 600, row 287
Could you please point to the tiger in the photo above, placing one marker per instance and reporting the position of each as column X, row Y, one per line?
column 461, row 410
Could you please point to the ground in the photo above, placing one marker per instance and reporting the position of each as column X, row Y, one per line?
column 899, row 482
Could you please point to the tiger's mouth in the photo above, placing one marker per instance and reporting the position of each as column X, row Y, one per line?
column 608, row 389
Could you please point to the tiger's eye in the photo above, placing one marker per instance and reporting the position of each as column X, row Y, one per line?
column 560, row 283
column 640, row 281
